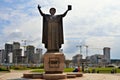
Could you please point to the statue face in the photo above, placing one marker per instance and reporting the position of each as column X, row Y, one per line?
column 52, row 11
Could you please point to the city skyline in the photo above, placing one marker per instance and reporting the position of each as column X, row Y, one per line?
column 90, row 22
column 13, row 53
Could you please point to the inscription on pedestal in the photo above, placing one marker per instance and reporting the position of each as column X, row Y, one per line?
column 54, row 62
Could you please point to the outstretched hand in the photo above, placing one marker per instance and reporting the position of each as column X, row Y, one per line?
column 39, row 6
column 69, row 7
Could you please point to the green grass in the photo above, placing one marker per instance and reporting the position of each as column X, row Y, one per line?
column 118, row 70
column 42, row 70
column 2, row 68
column 104, row 70
column 101, row 70
column 38, row 70
column 19, row 67
column 68, row 69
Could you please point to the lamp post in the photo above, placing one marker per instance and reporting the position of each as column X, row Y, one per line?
column 86, row 54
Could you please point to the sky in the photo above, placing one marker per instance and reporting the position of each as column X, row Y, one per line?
column 95, row 23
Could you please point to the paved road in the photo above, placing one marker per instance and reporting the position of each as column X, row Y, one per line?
column 14, row 75
column 17, row 75
column 101, row 77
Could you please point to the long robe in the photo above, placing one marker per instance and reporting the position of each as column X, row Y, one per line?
column 52, row 32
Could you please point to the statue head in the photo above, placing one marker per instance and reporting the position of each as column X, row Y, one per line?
column 52, row 11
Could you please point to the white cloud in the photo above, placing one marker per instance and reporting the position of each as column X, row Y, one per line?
column 95, row 22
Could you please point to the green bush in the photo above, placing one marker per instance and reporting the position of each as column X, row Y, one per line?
column 18, row 67
column 4, row 68
column 38, row 70
column 68, row 69
column 104, row 70
column 41, row 66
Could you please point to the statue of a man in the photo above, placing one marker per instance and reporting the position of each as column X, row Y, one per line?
column 52, row 35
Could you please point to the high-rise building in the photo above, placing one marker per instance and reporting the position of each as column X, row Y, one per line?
column 29, row 53
column 16, row 45
column 8, row 49
column 17, row 53
column 96, row 59
column 77, row 59
column 10, row 57
column 38, row 56
column 106, row 52
column 1, row 56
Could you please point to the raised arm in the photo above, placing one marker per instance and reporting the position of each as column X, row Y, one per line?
column 63, row 15
column 69, row 8
column 39, row 8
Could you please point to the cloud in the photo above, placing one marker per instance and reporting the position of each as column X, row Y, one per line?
column 14, row 35
column 115, row 49
column 92, row 22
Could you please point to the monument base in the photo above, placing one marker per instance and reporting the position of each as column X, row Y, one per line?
column 54, row 62
column 33, row 75
column 54, row 76
column 77, row 74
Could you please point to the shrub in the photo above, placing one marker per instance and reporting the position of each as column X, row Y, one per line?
column 19, row 67
column 4, row 68
column 41, row 66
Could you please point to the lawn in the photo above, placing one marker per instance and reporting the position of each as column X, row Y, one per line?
column 38, row 70
column 101, row 70
column 104, row 70
column 42, row 70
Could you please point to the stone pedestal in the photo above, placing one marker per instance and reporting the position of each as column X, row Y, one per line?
column 77, row 74
column 54, row 76
column 54, row 63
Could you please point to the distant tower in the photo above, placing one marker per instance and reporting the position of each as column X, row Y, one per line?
column 29, row 53
column 39, row 54
column 77, row 59
column 2, row 55
column 106, row 52
column 17, row 53
column 16, row 45
column 8, row 49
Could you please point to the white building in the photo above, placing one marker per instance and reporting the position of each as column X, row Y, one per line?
column 39, row 55
column 10, row 55
column 77, row 59
column 96, row 60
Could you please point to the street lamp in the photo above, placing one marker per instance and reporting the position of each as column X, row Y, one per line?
column 86, row 54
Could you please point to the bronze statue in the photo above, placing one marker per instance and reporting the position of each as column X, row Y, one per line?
column 52, row 35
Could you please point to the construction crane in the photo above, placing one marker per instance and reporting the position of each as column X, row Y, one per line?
column 80, row 46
